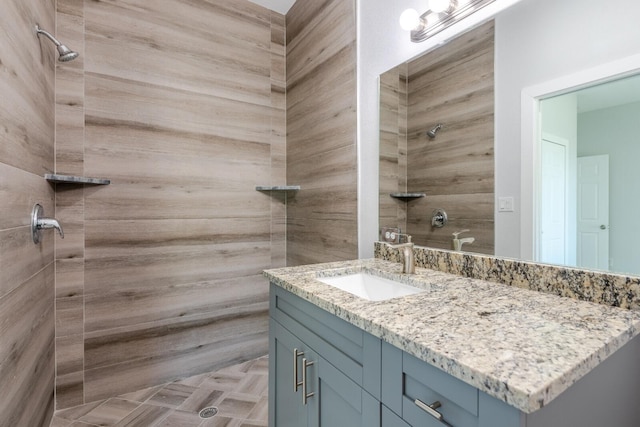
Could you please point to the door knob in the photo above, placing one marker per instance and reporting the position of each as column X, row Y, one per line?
column 603, row 227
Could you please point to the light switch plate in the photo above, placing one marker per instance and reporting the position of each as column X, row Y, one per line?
column 505, row 204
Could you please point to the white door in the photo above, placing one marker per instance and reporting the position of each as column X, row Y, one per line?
column 553, row 201
column 593, row 212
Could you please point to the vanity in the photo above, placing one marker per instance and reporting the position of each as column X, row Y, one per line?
column 460, row 352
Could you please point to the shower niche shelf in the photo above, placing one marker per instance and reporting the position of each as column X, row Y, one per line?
column 406, row 197
column 73, row 179
column 277, row 187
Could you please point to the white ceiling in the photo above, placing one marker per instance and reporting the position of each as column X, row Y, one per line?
column 280, row 6
column 611, row 94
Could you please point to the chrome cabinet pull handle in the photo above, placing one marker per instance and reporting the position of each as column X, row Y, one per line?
column 296, row 383
column 305, row 395
column 431, row 410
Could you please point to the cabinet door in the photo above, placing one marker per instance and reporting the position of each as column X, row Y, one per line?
column 337, row 400
column 389, row 419
column 285, row 399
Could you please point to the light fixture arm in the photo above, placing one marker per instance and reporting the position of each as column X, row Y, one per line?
column 432, row 23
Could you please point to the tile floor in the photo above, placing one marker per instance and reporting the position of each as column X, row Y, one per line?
column 239, row 392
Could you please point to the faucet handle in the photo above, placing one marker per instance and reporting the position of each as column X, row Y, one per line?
column 38, row 223
column 455, row 235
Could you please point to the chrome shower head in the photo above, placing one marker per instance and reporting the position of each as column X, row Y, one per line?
column 65, row 54
column 432, row 133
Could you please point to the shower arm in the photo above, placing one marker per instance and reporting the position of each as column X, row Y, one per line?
column 48, row 35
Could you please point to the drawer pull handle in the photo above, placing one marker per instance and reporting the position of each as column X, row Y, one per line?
column 431, row 410
column 296, row 383
column 305, row 395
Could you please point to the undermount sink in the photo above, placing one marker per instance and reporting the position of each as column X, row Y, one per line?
column 370, row 287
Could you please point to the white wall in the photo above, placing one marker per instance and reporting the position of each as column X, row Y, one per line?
column 382, row 44
column 616, row 131
column 538, row 41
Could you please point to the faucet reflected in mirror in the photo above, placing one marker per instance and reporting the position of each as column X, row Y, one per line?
column 458, row 242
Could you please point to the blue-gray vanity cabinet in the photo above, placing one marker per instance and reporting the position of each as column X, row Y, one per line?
column 334, row 363
column 412, row 388
column 604, row 397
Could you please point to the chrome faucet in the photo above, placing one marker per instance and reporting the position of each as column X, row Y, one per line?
column 38, row 223
column 409, row 262
column 457, row 242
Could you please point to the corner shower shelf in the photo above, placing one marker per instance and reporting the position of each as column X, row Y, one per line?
column 407, row 196
column 277, row 188
column 72, row 179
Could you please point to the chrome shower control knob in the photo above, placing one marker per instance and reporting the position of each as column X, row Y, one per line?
column 439, row 218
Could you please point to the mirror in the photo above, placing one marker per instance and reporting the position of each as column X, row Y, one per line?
column 588, row 196
column 556, row 44
column 436, row 139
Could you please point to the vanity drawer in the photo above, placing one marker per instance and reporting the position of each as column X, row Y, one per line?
column 424, row 385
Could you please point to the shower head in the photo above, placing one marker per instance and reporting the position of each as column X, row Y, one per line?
column 432, row 133
column 65, row 54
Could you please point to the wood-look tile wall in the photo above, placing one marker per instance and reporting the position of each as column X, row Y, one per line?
column 452, row 85
column 26, row 269
column 182, row 105
column 393, row 147
column 321, row 131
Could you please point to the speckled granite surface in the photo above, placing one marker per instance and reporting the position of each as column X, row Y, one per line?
column 520, row 346
column 616, row 290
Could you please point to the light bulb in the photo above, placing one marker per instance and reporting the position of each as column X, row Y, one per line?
column 439, row 6
column 410, row 19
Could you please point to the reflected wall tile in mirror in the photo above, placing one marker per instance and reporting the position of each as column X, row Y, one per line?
column 452, row 85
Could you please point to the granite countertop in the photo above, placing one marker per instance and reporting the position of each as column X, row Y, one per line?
column 520, row 346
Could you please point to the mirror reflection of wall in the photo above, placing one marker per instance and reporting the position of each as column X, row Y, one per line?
column 589, row 194
column 452, row 85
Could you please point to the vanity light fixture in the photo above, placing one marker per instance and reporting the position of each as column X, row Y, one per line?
column 441, row 14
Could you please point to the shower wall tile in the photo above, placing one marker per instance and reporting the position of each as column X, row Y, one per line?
column 69, row 316
column 70, row 120
column 70, row 213
column 27, row 69
column 27, row 116
column 70, row 90
column 183, row 106
column 453, row 86
column 278, row 141
column 393, row 147
column 26, row 319
column 22, row 190
column 20, row 258
column 243, row 339
column 69, row 278
column 69, row 390
column 69, row 354
column 174, row 335
column 321, row 131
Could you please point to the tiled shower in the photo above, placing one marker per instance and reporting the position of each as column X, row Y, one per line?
column 185, row 106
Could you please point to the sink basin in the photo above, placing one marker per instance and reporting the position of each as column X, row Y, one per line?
column 370, row 287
